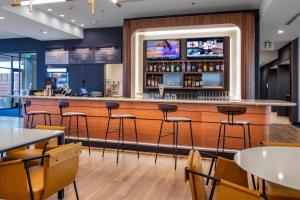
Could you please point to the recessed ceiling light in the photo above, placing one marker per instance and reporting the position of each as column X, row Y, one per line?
column 2, row 18
column 73, row 20
column 50, row 9
column 280, row 31
column 82, row 25
column 45, row 32
column 62, row 15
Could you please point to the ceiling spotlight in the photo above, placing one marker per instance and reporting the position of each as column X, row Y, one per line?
column 82, row 25
column 117, row 2
column 34, row 2
column 43, row 31
column 2, row 18
column 49, row 9
column 62, row 15
column 280, row 31
column 73, row 20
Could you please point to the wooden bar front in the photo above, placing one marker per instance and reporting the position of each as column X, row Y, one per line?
column 206, row 121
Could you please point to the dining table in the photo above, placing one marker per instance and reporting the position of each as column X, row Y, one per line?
column 14, row 138
column 278, row 164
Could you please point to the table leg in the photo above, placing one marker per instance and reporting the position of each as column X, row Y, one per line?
column 61, row 193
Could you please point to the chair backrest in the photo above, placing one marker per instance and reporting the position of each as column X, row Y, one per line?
column 26, row 104
column 51, row 143
column 111, row 106
column 167, row 108
column 196, row 182
column 228, row 170
column 13, row 180
column 60, row 168
column 63, row 104
column 227, row 190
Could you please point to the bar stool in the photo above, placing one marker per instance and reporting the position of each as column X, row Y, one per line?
column 26, row 104
column 64, row 104
column 232, row 111
column 121, row 117
column 166, row 109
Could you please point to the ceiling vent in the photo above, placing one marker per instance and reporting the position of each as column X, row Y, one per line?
column 292, row 19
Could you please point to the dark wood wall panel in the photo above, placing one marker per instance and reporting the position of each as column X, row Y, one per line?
column 244, row 20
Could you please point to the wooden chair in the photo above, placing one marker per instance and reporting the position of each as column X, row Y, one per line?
column 19, row 181
column 220, row 190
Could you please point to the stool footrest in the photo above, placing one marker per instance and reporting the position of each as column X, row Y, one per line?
column 232, row 137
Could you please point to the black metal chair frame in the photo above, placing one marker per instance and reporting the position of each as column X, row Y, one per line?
column 231, row 112
column 26, row 104
column 64, row 104
column 166, row 108
column 120, row 130
column 27, row 167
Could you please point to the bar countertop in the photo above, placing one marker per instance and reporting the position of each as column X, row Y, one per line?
column 250, row 102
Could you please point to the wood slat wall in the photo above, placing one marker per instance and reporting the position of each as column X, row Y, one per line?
column 245, row 20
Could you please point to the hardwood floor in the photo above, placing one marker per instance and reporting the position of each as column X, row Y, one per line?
column 131, row 179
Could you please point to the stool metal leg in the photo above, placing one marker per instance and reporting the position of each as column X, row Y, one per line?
column 49, row 116
column 191, row 132
column 75, row 188
column 62, row 120
column 107, row 128
column 27, row 121
column 122, row 126
column 77, row 128
column 69, row 130
column 245, row 145
column 87, row 134
column 176, row 145
column 219, row 137
column 174, row 138
column 249, row 135
column 136, row 138
column 224, row 136
column 45, row 120
column 118, row 146
column 32, row 117
column 160, row 131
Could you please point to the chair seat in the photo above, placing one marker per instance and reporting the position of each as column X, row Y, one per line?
column 66, row 114
column 38, row 112
column 24, row 154
column 124, row 116
column 37, row 181
column 236, row 122
column 178, row 119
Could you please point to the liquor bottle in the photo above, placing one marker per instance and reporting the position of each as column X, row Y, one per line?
column 193, row 67
column 150, row 68
column 185, row 82
column 188, row 67
column 177, row 68
column 152, row 81
column 211, row 67
column 201, row 82
column 163, row 68
column 200, row 68
column 218, row 67
column 189, row 82
column 205, row 67
column 155, row 82
column 197, row 82
column 147, row 68
column 159, row 67
column 172, row 67
column 183, row 67
column 155, row 67
column 193, row 82
column 222, row 67
column 149, row 82
column 168, row 68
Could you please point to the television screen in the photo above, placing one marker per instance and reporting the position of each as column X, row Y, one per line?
column 205, row 48
column 163, row 49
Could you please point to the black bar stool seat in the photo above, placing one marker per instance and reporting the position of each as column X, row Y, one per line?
column 121, row 117
column 33, row 113
column 63, row 105
column 232, row 111
column 166, row 109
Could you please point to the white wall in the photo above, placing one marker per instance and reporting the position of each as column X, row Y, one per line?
column 187, row 32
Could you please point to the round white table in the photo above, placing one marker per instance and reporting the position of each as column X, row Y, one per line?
column 280, row 165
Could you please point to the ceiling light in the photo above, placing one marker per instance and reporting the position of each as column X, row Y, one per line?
column 45, row 32
column 62, row 15
column 280, row 31
column 34, row 2
column 2, row 18
column 82, row 25
column 117, row 2
column 49, row 9
column 73, row 20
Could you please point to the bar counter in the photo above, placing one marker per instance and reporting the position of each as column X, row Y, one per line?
column 204, row 114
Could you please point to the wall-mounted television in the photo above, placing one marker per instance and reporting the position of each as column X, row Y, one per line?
column 163, row 49
column 205, row 48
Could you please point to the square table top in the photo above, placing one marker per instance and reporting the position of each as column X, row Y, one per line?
column 13, row 138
